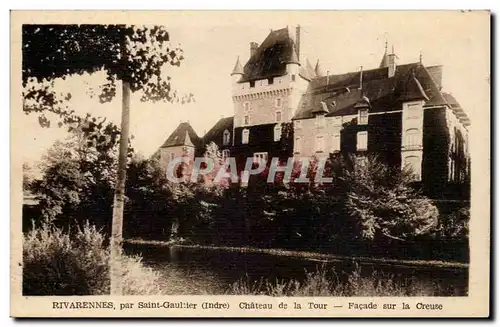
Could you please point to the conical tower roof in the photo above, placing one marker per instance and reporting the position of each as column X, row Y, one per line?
column 385, row 58
column 294, row 59
column 238, row 69
column 318, row 70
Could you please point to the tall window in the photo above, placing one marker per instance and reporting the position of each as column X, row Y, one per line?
column 278, row 116
column 277, row 133
column 172, row 156
column 246, row 106
column 278, row 102
column 245, row 135
column 414, row 163
column 226, row 137
column 298, row 145
column 225, row 154
column 246, row 120
column 363, row 117
column 336, row 143
column 320, row 143
column 413, row 138
column 414, row 111
column 362, row 141
column 320, row 121
column 298, row 124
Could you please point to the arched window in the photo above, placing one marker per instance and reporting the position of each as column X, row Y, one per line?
column 226, row 137
column 277, row 132
column 245, row 135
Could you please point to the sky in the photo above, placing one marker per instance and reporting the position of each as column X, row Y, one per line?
column 342, row 41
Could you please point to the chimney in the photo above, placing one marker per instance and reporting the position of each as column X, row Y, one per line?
column 297, row 40
column 253, row 48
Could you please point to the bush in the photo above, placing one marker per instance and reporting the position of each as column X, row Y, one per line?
column 60, row 263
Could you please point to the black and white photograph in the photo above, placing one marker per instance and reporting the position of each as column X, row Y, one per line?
column 322, row 155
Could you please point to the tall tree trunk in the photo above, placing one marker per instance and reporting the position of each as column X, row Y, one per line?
column 118, row 203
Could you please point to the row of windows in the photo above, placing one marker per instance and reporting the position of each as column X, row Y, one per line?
column 413, row 112
column 245, row 134
column 278, row 117
column 319, row 146
column 413, row 139
column 247, row 106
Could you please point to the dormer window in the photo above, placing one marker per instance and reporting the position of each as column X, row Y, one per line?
column 363, row 116
column 226, row 137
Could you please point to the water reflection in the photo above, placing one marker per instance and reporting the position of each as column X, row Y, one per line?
column 195, row 271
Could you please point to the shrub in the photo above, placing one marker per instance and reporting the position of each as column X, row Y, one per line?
column 61, row 263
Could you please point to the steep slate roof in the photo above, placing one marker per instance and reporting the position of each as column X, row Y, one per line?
column 271, row 57
column 216, row 132
column 184, row 134
column 385, row 94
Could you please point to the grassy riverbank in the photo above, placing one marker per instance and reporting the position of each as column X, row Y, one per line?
column 325, row 282
column 310, row 255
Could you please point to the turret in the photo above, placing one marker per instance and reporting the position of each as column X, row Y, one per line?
column 292, row 65
column 237, row 71
column 389, row 61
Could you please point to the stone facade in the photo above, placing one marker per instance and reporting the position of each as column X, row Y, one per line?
column 283, row 107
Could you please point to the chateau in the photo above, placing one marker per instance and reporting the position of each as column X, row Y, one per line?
column 283, row 106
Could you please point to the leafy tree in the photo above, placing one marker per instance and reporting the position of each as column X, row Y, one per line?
column 134, row 55
column 383, row 202
column 79, row 174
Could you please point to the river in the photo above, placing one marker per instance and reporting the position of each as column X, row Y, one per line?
column 194, row 271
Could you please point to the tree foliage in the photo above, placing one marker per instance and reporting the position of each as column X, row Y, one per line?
column 137, row 54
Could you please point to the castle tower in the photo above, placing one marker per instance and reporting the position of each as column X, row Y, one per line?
column 267, row 90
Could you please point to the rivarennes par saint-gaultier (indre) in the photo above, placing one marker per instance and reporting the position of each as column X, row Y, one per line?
column 250, row 164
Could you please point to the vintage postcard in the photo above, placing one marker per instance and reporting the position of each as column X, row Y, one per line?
column 250, row 164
